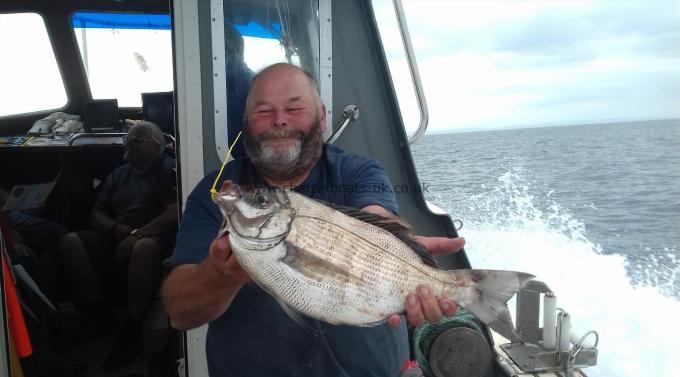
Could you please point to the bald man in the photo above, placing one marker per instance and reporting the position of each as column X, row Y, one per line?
column 249, row 334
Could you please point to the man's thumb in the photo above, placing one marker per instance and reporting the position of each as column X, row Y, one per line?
column 220, row 248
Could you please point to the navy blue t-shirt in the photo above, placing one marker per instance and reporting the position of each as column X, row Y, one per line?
column 255, row 337
column 136, row 199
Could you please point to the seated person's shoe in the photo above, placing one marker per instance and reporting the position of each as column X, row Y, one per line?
column 47, row 365
column 126, row 347
column 60, row 367
column 121, row 356
column 92, row 327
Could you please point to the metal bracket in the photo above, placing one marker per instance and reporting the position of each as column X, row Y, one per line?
column 534, row 358
column 528, row 310
column 351, row 113
column 530, row 355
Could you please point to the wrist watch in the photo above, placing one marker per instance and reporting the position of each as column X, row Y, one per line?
column 134, row 232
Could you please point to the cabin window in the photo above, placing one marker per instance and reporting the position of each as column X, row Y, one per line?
column 29, row 76
column 252, row 38
column 388, row 26
column 125, row 54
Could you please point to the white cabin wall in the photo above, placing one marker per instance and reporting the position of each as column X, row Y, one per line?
column 190, row 140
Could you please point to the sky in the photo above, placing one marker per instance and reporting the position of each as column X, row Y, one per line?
column 484, row 64
column 498, row 64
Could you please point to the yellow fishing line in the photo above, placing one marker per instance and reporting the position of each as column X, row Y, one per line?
column 213, row 191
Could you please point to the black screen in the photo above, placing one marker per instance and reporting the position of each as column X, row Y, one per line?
column 159, row 108
column 100, row 115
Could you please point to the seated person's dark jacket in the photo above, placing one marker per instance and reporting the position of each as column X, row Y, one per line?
column 255, row 337
column 238, row 84
column 135, row 200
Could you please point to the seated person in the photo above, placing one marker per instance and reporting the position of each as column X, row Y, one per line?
column 238, row 83
column 134, row 221
column 32, row 246
column 40, row 235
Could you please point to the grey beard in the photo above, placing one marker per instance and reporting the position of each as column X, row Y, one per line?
column 288, row 164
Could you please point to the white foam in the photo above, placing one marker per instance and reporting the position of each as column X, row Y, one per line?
column 635, row 323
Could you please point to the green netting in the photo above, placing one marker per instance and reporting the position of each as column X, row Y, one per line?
column 425, row 334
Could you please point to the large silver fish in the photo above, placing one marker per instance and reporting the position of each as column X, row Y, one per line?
column 341, row 269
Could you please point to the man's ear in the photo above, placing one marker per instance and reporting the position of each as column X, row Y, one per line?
column 323, row 118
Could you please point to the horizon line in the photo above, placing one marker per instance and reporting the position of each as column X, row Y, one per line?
column 544, row 125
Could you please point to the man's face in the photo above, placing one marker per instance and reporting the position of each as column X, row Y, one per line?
column 285, row 123
column 139, row 145
column 281, row 99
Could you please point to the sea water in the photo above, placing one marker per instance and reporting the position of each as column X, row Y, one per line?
column 591, row 210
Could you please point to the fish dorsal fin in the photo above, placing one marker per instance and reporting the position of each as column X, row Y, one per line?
column 403, row 232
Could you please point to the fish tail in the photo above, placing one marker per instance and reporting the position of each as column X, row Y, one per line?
column 484, row 293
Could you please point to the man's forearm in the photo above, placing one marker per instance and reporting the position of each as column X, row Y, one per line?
column 197, row 294
column 166, row 222
column 101, row 222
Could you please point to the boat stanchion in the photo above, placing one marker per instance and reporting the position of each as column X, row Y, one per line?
column 351, row 113
column 557, row 346
column 549, row 321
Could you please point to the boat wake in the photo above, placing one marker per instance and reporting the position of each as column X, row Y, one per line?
column 513, row 227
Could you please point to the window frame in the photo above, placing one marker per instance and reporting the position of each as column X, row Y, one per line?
column 86, row 78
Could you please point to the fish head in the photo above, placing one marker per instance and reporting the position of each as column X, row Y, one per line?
column 259, row 217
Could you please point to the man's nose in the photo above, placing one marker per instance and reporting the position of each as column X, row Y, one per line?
column 280, row 118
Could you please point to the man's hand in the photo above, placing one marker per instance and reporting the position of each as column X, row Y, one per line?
column 224, row 261
column 423, row 305
column 119, row 232
column 441, row 245
column 195, row 294
column 124, row 248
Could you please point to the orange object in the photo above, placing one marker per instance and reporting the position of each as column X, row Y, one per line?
column 14, row 362
column 15, row 318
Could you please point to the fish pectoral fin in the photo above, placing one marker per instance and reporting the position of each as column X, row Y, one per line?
column 372, row 324
column 312, row 266
column 224, row 228
column 296, row 316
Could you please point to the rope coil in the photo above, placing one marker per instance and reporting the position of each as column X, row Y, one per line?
column 425, row 335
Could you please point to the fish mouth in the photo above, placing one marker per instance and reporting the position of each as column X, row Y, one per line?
column 231, row 189
column 226, row 200
column 228, row 195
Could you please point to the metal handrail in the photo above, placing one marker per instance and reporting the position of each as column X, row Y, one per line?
column 75, row 137
column 351, row 113
column 169, row 138
column 415, row 75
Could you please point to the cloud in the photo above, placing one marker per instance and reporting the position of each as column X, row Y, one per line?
column 491, row 64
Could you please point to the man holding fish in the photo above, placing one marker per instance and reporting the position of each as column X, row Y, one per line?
column 251, row 332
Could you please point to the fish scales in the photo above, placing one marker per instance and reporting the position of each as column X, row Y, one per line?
column 377, row 246
column 366, row 270
column 333, row 267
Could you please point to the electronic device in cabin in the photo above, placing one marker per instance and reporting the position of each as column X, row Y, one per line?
column 159, row 108
column 101, row 115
